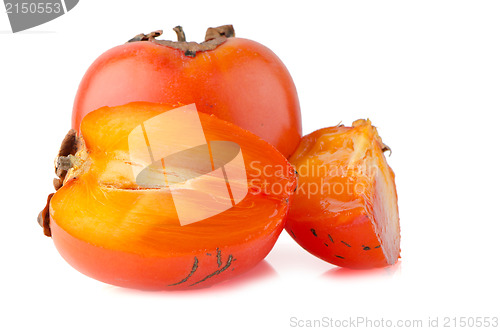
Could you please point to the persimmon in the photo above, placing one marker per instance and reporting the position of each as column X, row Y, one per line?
column 113, row 217
column 345, row 210
column 236, row 79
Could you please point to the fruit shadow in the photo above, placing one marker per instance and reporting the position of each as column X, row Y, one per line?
column 261, row 272
column 346, row 273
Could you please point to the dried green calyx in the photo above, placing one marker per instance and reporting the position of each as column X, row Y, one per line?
column 213, row 38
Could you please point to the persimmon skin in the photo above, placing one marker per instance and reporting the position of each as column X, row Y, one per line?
column 241, row 81
column 128, row 237
column 345, row 210
column 348, row 247
column 152, row 273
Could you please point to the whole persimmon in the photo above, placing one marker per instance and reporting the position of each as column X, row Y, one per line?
column 236, row 79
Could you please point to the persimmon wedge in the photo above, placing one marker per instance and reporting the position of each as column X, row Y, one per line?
column 345, row 210
column 180, row 226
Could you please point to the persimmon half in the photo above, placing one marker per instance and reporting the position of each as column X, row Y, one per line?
column 110, row 226
column 345, row 210
column 236, row 79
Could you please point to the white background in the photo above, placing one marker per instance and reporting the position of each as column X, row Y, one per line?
column 427, row 73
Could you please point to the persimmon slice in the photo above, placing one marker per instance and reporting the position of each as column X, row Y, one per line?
column 171, row 208
column 345, row 210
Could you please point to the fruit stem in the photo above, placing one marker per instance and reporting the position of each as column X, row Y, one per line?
column 65, row 163
column 181, row 36
column 213, row 38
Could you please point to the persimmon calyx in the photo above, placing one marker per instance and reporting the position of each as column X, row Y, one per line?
column 69, row 163
column 44, row 218
column 213, row 38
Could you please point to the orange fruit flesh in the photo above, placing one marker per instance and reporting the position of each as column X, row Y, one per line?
column 345, row 210
column 102, row 209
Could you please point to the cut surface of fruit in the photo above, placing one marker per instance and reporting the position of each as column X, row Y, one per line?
column 167, row 206
column 345, row 210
